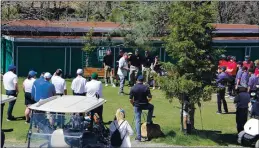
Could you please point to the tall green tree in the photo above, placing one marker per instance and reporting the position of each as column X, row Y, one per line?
column 189, row 43
column 143, row 21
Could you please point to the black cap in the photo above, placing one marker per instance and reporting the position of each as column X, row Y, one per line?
column 240, row 63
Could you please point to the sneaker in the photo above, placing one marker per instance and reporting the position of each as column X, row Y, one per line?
column 218, row 112
column 154, row 88
column 231, row 98
column 10, row 119
column 121, row 93
column 226, row 96
column 138, row 139
column 225, row 112
column 106, row 84
column 113, row 85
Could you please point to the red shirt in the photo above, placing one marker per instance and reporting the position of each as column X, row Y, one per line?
column 256, row 71
column 232, row 65
column 248, row 64
column 223, row 63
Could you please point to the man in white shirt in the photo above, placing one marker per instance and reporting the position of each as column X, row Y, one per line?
column 94, row 89
column 59, row 83
column 122, row 71
column 10, row 81
column 78, row 84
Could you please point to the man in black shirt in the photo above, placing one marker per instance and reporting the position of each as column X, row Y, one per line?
column 242, row 100
column 108, row 64
column 146, row 67
column 140, row 97
column 135, row 66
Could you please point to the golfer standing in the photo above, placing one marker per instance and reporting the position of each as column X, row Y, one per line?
column 59, row 83
column 108, row 64
column 78, row 84
column 122, row 71
column 27, row 88
column 10, row 82
column 43, row 89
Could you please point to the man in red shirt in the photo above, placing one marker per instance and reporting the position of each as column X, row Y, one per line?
column 231, row 71
column 256, row 69
column 248, row 63
column 223, row 61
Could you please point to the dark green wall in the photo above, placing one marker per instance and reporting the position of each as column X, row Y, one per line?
column 69, row 56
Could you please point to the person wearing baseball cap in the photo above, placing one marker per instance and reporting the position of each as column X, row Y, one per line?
column 231, row 71
column 117, row 66
column 108, row 65
column 27, row 88
column 94, row 89
column 44, row 89
column 223, row 61
column 135, row 62
column 78, row 84
column 253, row 81
column 248, row 63
column 148, row 61
column 140, row 98
column 222, row 80
column 10, row 82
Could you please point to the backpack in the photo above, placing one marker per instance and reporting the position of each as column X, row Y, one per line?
column 116, row 140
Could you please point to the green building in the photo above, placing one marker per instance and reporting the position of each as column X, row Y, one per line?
column 46, row 46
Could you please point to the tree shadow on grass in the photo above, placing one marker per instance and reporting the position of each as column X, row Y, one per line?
column 218, row 137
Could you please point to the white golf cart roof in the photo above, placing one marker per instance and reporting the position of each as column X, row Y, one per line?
column 68, row 104
column 6, row 98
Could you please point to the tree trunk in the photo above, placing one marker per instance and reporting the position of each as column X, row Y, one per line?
column 182, row 128
column 191, row 114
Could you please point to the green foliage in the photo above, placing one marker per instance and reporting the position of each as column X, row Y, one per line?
column 9, row 12
column 143, row 21
column 189, row 43
column 89, row 42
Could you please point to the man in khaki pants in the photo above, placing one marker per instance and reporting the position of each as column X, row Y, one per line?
column 146, row 67
column 107, row 64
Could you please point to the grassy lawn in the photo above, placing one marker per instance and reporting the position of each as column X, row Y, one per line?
column 215, row 130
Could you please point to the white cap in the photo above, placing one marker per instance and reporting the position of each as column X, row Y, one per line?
column 79, row 71
column 47, row 75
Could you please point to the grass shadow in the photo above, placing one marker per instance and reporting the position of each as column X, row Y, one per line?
column 217, row 137
column 19, row 118
column 170, row 134
column 7, row 130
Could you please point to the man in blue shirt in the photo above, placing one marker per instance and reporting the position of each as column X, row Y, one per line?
column 42, row 88
column 239, row 72
column 242, row 80
column 253, row 81
column 140, row 97
column 222, row 80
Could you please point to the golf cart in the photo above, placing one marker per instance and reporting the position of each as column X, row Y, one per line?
column 67, row 121
column 4, row 99
column 250, row 135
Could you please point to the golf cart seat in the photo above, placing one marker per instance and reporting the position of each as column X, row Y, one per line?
column 58, row 139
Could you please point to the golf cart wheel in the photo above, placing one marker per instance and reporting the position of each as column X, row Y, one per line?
column 257, row 144
column 240, row 137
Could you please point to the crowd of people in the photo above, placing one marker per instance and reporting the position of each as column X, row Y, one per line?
column 240, row 78
column 48, row 85
column 132, row 65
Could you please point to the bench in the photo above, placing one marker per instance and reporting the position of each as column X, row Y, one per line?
column 89, row 70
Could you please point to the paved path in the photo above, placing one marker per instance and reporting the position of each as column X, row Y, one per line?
column 134, row 144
